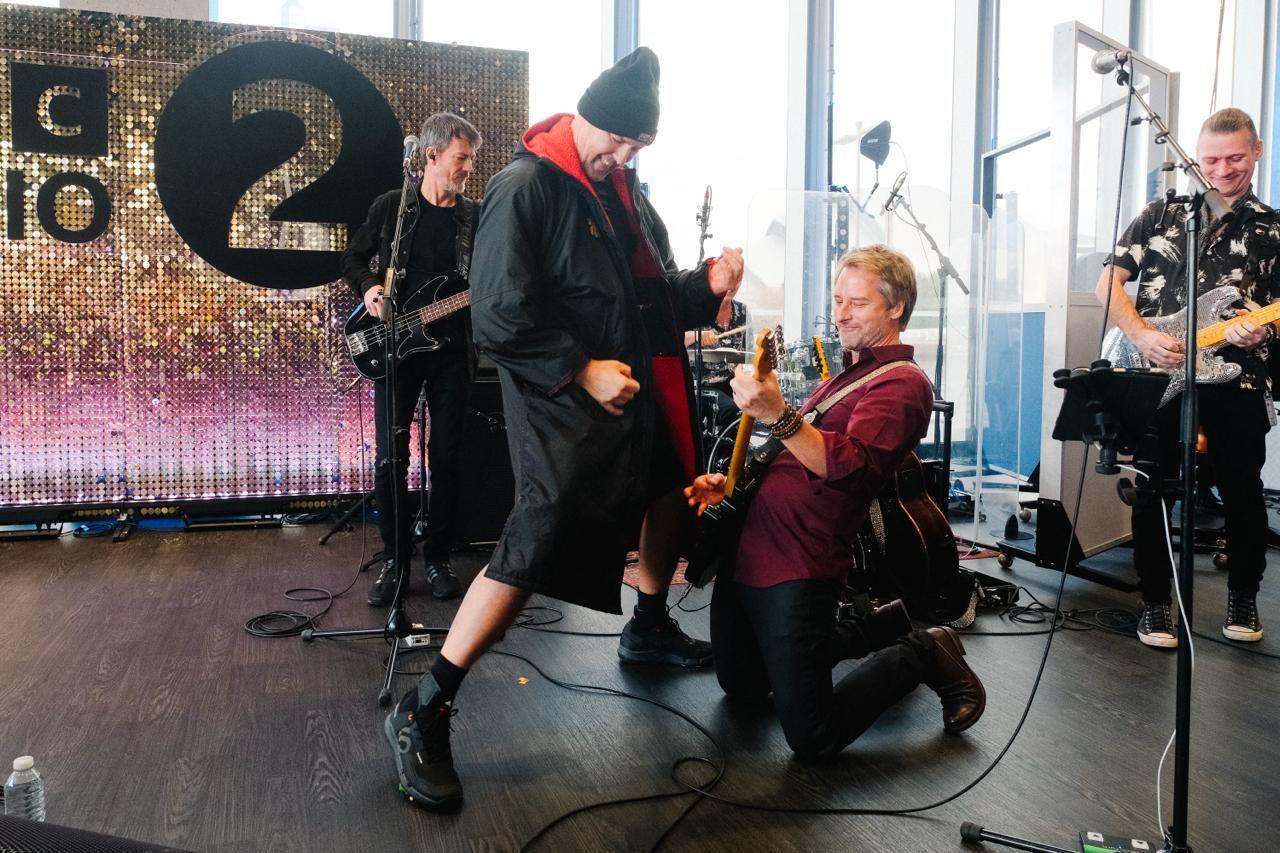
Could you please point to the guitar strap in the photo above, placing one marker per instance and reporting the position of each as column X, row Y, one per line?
column 822, row 408
column 771, row 448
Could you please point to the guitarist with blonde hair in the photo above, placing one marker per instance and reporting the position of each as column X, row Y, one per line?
column 1234, row 416
column 774, row 626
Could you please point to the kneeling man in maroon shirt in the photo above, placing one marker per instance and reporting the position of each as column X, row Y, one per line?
column 774, row 625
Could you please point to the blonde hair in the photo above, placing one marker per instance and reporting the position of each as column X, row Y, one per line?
column 1230, row 120
column 897, row 276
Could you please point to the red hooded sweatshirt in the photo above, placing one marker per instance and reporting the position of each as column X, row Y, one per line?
column 552, row 139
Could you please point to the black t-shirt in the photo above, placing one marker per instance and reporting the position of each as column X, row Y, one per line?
column 433, row 250
column 432, row 254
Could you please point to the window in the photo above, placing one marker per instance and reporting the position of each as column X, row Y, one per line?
column 370, row 18
column 1186, row 42
column 1024, row 91
column 723, row 124
column 565, row 41
column 893, row 62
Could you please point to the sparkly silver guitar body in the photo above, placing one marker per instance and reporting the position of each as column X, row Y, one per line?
column 1212, row 308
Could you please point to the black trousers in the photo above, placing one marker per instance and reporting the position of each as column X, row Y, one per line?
column 1235, row 423
column 784, row 639
column 447, row 380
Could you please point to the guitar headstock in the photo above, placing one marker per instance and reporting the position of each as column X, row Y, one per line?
column 820, row 358
column 769, row 350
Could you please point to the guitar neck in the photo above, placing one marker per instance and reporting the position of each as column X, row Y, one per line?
column 443, row 308
column 1211, row 336
column 739, row 457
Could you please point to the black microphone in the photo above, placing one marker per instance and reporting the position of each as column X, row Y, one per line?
column 1106, row 61
column 410, row 147
column 893, row 193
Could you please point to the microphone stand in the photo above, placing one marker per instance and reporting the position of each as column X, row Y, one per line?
column 703, row 219
column 397, row 630
column 946, row 270
column 1203, row 195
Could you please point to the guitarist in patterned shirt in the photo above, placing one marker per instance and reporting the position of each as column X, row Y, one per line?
column 1235, row 416
column 774, row 625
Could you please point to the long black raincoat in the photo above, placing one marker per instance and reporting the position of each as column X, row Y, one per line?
column 551, row 289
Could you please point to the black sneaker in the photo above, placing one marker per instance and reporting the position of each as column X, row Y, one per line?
column 664, row 643
column 444, row 583
column 1155, row 627
column 1242, row 622
column 384, row 588
column 419, row 738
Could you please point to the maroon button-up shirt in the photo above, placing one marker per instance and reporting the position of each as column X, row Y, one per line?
column 801, row 526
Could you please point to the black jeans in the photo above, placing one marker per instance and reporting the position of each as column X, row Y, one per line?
column 1235, row 423
column 448, row 386
column 784, row 639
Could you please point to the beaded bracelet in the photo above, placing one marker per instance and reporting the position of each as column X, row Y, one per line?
column 787, row 425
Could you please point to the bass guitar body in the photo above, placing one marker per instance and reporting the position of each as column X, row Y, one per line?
column 366, row 335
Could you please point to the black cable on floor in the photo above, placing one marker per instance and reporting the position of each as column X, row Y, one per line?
column 718, row 768
column 291, row 623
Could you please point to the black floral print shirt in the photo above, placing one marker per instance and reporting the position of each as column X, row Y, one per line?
column 1243, row 254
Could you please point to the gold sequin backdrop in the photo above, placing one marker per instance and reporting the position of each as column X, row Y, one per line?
column 131, row 367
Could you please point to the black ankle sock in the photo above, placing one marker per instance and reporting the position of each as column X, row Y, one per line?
column 650, row 609
column 448, row 677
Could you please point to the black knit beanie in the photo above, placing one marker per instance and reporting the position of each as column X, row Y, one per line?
column 624, row 98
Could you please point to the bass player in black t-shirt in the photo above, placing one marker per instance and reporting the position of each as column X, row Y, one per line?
column 435, row 252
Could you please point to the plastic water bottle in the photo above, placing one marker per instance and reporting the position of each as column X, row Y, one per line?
column 24, row 792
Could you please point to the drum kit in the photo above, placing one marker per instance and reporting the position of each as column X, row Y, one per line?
column 799, row 373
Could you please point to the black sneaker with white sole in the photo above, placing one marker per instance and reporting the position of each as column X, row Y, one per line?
column 419, row 736
column 1155, row 627
column 1242, row 622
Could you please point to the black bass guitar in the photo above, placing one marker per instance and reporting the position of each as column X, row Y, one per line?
column 440, row 297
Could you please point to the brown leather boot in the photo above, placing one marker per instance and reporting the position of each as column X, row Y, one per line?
column 963, row 696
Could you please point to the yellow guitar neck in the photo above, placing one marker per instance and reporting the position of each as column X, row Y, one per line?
column 739, row 457
column 1211, row 336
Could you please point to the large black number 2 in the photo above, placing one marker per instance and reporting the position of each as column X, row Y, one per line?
column 210, row 153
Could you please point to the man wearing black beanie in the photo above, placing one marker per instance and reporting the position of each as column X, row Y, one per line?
column 576, row 297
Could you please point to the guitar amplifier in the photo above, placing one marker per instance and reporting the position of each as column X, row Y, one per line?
column 488, row 485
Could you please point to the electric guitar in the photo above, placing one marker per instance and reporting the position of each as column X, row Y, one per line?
column 1215, row 313
column 366, row 335
column 715, row 543
column 768, row 350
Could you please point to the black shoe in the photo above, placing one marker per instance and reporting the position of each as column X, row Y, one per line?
column 1242, row 622
column 384, row 588
column 444, row 583
column 664, row 643
column 1156, row 628
column 962, row 694
column 419, row 738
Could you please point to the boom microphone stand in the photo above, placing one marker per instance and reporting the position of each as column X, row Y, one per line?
column 398, row 630
column 1203, row 194
column 946, row 270
column 704, row 224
